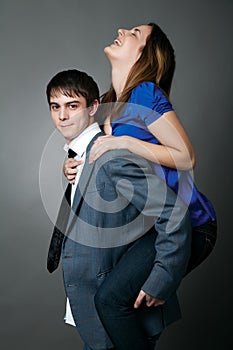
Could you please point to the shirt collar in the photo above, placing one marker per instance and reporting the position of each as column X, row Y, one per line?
column 80, row 143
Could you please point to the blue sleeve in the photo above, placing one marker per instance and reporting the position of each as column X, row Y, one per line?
column 147, row 94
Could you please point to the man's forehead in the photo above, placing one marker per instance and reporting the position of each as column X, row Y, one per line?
column 59, row 97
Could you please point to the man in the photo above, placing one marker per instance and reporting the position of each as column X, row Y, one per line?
column 118, row 206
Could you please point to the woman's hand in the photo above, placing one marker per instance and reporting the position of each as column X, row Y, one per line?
column 106, row 143
column 150, row 301
column 70, row 169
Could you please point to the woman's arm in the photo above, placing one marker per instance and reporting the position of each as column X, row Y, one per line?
column 175, row 150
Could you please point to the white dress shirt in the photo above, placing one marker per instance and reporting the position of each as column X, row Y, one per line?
column 79, row 145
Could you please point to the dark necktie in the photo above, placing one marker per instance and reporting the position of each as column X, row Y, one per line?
column 71, row 153
column 55, row 247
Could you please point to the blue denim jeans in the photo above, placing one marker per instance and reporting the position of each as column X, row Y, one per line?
column 115, row 298
column 117, row 294
column 152, row 343
column 203, row 241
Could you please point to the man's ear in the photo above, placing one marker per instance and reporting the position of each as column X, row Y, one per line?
column 93, row 108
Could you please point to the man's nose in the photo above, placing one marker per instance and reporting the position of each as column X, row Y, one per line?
column 63, row 114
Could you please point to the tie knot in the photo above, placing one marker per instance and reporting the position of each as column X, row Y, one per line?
column 71, row 153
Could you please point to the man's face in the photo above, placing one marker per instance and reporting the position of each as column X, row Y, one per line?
column 70, row 115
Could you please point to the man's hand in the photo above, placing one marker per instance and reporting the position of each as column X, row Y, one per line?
column 150, row 301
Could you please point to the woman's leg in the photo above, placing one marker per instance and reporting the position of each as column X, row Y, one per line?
column 203, row 241
column 153, row 341
column 116, row 296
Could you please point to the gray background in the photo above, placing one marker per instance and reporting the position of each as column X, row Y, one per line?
column 39, row 38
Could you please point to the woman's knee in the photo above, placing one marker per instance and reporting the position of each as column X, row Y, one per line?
column 104, row 296
column 106, row 299
column 102, row 300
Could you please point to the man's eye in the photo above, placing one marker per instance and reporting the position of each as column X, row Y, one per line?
column 73, row 106
column 133, row 34
column 54, row 107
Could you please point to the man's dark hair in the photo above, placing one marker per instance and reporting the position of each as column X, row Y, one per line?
column 73, row 82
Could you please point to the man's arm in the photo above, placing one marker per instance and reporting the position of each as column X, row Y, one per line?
column 153, row 198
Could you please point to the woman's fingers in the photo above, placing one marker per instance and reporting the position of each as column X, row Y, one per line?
column 71, row 179
column 96, row 151
column 102, row 138
column 104, row 144
column 70, row 169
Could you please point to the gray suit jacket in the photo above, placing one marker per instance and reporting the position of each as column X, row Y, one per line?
column 119, row 199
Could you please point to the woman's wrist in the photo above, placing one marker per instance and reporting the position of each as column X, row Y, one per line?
column 126, row 142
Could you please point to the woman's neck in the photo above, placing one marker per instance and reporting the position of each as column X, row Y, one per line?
column 119, row 77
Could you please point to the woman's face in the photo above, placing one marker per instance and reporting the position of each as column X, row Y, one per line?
column 128, row 45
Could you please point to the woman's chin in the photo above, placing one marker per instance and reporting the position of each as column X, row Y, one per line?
column 107, row 49
column 111, row 54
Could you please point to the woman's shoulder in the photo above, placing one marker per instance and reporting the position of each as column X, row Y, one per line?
column 148, row 94
column 149, row 89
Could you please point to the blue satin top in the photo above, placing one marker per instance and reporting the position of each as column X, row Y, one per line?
column 146, row 104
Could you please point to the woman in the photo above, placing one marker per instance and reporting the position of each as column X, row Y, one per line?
column 143, row 65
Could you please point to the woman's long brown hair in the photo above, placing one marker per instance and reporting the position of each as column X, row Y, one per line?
column 156, row 64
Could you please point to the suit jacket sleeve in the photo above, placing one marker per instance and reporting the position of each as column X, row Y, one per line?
column 153, row 198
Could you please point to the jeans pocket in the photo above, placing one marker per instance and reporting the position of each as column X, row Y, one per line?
column 203, row 241
column 208, row 247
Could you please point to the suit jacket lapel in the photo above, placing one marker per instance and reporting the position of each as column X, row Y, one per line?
column 66, row 217
column 82, row 185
